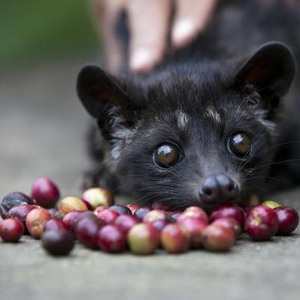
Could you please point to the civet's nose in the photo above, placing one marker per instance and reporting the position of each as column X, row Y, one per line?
column 218, row 188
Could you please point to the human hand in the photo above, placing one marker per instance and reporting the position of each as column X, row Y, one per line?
column 150, row 26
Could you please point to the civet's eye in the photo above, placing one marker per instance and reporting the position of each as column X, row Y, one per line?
column 166, row 155
column 240, row 144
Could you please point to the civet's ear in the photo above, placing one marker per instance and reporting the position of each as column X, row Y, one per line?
column 270, row 70
column 105, row 98
column 98, row 90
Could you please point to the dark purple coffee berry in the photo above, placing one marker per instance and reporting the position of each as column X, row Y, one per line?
column 141, row 212
column 86, row 231
column 20, row 212
column 58, row 242
column 13, row 199
column 121, row 209
column 54, row 224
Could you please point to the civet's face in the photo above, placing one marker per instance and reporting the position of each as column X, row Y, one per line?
column 192, row 136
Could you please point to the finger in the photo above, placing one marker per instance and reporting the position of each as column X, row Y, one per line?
column 149, row 22
column 191, row 18
column 105, row 14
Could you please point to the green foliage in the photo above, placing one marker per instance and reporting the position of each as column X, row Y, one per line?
column 38, row 28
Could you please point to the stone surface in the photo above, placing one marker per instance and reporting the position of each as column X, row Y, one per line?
column 42, row 126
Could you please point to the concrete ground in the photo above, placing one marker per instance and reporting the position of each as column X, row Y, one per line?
column 42, row 125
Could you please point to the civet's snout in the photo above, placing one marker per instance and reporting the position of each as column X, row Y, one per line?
column 217, row 189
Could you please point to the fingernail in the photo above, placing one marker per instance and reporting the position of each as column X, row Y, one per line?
column 141, row 60
column 182, row 32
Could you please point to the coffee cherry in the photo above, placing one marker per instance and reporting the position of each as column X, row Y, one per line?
column 125, row 222
column 229, row 223
column 143, row 239
column 288, row 220
column 11, row 230
column 56, row 225
column 194, row 212
column 20, row 212
column 218, row 238
column 108, row 216
column 13, row 199
column 71, row 204
column 86, row 231
column 194, row 229
column 45, row 192
column 228, row 211
column 70, row 219
column 154, row 215
column 88, row 215
column 261, row 223
column 111, row 239
column 174, row 239
column 36, row 220
column 58, row 242
column 121, row 209
column 98, row 197
column 99, row 209
column 141, row 212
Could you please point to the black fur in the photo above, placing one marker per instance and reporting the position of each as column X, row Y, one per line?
column 196, row 99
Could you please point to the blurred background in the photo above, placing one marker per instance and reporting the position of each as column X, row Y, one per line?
column 34, row 30
column 42, row 123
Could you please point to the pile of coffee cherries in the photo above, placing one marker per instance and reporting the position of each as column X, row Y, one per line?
column 95, row 221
